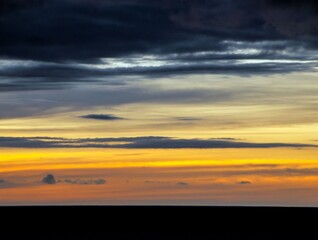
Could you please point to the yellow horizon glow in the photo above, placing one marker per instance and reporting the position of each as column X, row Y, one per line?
column 77, row 158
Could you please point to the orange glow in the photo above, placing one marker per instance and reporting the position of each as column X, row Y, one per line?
column 227, row 176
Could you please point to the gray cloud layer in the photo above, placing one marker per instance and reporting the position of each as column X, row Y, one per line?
column 150, row 142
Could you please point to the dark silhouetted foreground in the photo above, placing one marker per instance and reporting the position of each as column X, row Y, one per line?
column 151, row 223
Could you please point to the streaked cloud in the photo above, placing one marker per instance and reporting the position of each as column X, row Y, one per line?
column 244, row 38
column 147, row 142
column 104, row 117
column 244, row 182
column 166, row 94
column 84, row 182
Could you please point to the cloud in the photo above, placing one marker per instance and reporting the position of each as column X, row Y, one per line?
column 49, row 179
column 118, row 33
column 263, row 170
column 99, row 40
column 13, row 5
column 186, row 119
column 244, row 182
column 49, row 102
column 227, row 139
column 104, row 117
column 182, row 184
column 283, row 92
column 2, row 181
column 147, row 142
column 173, row 26
column 85, row 182
column 99, row 181
column 171, row 143
column 61, row 76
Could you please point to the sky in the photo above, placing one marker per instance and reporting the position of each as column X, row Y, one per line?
column 171, row 102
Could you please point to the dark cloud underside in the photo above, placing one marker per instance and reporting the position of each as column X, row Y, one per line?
column 65, row 40
column 88, row 30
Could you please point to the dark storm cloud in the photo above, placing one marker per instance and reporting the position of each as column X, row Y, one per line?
column 13, row 5
column 151, row 142
column 104, row 117
column 85, row 31
column 248, row 19
column 55, row 30
column 58, row 35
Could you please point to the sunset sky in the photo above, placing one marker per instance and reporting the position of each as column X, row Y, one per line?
column 171, row 102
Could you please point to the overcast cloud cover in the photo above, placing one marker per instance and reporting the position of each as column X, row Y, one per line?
column 169, row 101
column 72, row 58
column 51, row 44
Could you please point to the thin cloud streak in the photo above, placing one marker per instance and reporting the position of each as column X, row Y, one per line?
column 102, row 117
column 148, row 142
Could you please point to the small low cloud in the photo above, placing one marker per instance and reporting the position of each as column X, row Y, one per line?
column 49, row 179
column 244, row 182
column 103, row 117
column 85, row 182
column 182, row 184
column 2, row 181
